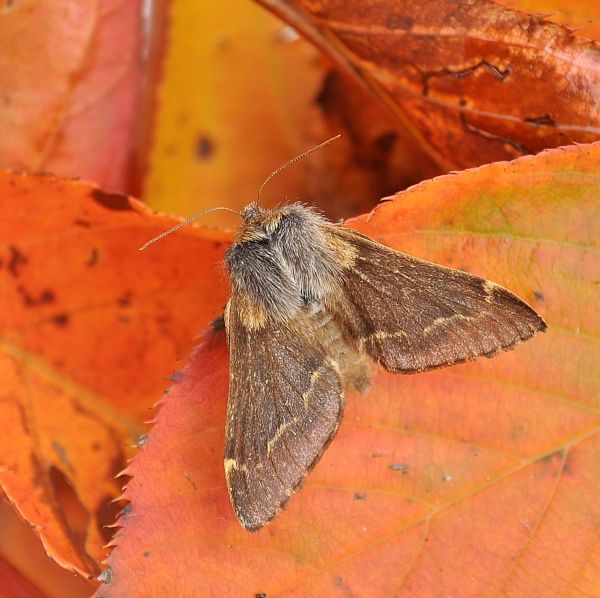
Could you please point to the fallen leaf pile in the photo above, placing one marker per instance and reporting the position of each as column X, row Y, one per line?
column 473, row 480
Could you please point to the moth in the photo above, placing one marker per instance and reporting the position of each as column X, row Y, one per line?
column 313, row 306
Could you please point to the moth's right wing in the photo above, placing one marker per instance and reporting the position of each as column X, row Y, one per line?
column 411, row 315
column 285, row 405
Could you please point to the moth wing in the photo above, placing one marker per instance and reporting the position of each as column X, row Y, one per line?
column 285, row 405
column 411, row 315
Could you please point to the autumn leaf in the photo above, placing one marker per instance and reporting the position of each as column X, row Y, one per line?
column 582, row 16
column 14, row 584
column 482, row 476
column 89, row 330
column 26, row 570
column 262, row 97
column 473, row 479
column 475, row 81
column 70, row 75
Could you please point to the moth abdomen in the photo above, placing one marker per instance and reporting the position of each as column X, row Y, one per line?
column 354, row 367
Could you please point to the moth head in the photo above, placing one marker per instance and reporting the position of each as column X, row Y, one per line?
column 251, row 212
column 258, row 224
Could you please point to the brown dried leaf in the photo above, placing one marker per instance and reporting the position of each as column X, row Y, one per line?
column 477, row 82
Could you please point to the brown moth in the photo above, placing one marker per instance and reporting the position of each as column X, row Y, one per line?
column 312, row 305
column 309, row 301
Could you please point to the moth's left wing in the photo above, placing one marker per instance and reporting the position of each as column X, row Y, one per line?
column 411, row 315
column 285, row 405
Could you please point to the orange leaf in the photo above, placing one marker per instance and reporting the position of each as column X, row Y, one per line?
column 476, row 82
column 70, row 74
column 89, row 329
column 583, row 15
column 469, row 480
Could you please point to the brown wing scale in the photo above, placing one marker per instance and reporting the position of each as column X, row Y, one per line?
column 411, row 315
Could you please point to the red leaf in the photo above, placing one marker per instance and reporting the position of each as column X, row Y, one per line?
column 70, row 77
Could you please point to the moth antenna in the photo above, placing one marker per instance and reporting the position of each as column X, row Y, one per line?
column 185, row 223
column 293, row 161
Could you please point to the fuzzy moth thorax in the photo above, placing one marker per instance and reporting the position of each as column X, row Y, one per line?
column 281, row 260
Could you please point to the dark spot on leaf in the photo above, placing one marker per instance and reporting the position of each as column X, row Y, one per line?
column 146, row 554
column 260, row 595
column 15, row 261
column 403, row 467
column 83, row 223
column 377, row 455
column 538, row 295
column 93, row 259
column 386, row 141
column 542, row 121
column 399, row 22
column 163, row 318
column 46, row 296
column 205, row 147
column 360, row 496
column 96, row 446
column 188, row 477
column 326, row 98
column 517, row 431
column 338, row 580
column 218, row 324
column 61, row 320
column 110, row 201
column 125, row 300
